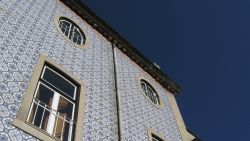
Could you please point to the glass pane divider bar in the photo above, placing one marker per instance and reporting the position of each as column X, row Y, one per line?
column 45, row 107
column 34, row 113
column 28, row 119
column 42, row 117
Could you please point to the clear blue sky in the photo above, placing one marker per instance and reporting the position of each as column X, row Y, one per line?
column 204, row 46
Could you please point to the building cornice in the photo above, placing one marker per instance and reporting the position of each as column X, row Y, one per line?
column 111, row 35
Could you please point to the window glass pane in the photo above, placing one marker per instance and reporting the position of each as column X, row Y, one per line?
column 76, row 36
column 32, row 112
column 58, row 132
column 150, row 93
column 45, row 95
column 143, row 85
column 157, row 99
column 38, row 116
column 66, row 32
column 79, row 42
column 45, row 119
column 62, row 129
column 73, row 38
column 64, row 24
column 66, row 131
column 65, row 107
column 155, row 138
column 59, row 82
column 65, row 27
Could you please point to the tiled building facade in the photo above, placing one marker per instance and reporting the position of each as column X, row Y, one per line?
column 114, row 106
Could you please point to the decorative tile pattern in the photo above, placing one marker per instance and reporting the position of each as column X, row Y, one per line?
column 27, row 29
column 137, row 113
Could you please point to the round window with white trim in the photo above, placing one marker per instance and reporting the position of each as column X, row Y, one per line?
column 72, row 31
column 150, row 92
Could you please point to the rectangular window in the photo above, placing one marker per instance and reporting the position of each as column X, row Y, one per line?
column 53, row 105
column 49, row 110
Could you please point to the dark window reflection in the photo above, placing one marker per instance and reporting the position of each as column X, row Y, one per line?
column 59, row 82
column 66, row 131
column 45, row 95
column 65, row 107
column 39, row 115
column 155, row 138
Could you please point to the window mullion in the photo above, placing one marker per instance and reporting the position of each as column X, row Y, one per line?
column 71, row 30
column 146, row 89
column 44, row 108
column 35, row 111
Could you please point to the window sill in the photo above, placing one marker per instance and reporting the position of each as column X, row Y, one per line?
column 32, row 130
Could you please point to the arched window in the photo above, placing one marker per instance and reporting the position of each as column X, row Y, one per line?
column 72, row 31
column 150, row 92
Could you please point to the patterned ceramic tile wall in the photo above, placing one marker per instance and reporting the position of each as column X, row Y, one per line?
column 26, row 30
column 137, row 113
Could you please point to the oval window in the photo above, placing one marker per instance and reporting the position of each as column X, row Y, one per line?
column 150, row 92
column 72, row 31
